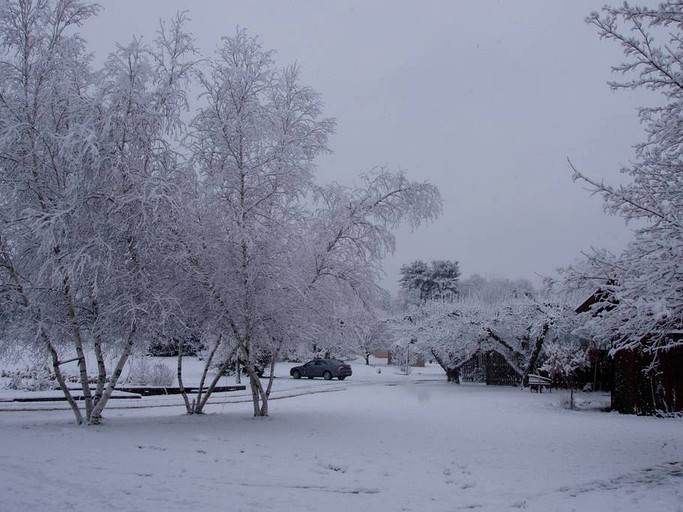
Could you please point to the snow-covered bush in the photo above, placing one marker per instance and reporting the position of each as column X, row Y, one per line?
column 145, row 374
column 562, row 360
column 37, row 378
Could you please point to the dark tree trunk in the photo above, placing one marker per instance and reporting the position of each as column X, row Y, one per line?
column 453, row 375
column 533, row 358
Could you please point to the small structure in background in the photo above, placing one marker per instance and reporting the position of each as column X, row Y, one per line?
column 489, row 367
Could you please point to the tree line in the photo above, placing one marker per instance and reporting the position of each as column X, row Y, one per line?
column 532, row 329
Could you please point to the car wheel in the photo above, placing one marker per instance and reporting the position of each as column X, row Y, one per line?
column 341, row 377
column 296, row 374
column 327, row 375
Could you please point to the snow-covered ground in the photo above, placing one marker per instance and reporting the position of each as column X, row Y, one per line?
column 375, row 442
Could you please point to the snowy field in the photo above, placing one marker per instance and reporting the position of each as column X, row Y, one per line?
column 375, row 442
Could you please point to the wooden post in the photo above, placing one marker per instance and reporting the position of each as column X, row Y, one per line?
column 571, row 394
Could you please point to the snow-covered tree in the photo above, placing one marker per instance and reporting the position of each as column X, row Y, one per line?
column 492, row 290
column 515, row 325
column 448, row 332
column 253, row 143
column 135, row 196
column 431, row 281
column 277, row 254
column 86, row 176
column 43, row 76
column 119, row 227
column 645, row 281
column 365, row 327
column 563, row 358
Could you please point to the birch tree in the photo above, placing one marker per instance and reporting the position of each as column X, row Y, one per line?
column 118, row 227
column 136, row 198
column 254, row 142
column 278, row 253
column 43, row 76
column 82, row 162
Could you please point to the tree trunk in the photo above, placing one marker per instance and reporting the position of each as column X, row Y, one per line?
column 60, row 379
column 265, row 396
column 595, row 371
column 264, row 409
column 198, row 404
column 43, row 334
column 255, row 395
column 453, row 375
column 181, row 386
column 99, row 357
column 512, row 353
column 259, row 396
column 271, row 374
column 223, row 367
column 101, row 370
column 78, row 339
column 535, row 353
column 95, row 417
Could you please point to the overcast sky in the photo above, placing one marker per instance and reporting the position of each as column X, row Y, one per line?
column 485, row 99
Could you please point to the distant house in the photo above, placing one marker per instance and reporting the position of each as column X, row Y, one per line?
column 603, row 297
column 643, row 381
column 489, row 367
column 380, row 354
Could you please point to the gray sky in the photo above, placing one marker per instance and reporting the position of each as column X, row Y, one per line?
column 485, row 99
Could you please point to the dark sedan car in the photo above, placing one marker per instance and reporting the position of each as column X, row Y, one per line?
column 325, row 368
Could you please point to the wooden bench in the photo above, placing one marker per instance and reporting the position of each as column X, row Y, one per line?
column 538, row 382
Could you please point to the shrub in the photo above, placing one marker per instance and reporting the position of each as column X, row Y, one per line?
column 37, row 378
column 145, row 374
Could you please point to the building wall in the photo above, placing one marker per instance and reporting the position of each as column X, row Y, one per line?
column 641, row 387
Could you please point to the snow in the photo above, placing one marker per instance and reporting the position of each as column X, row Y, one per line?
column 377, row 442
